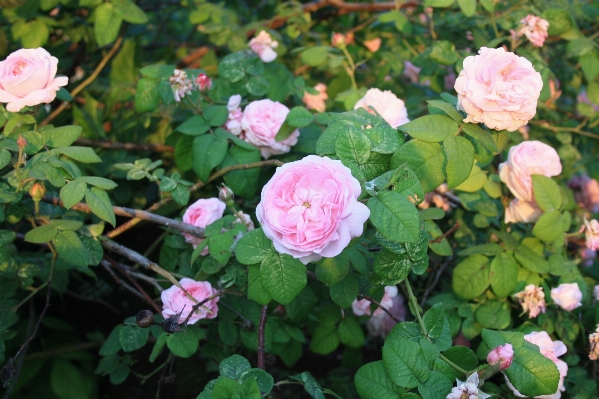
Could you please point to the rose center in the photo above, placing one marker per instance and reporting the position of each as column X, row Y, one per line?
column 18, row 68
column 307, row 204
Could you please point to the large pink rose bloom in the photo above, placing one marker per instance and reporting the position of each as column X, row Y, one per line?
column 524, row 160
column 551, row 350
column 174, row 300
column 499, row 89
column 27, row 78
column 391, row 108
column 261, row 122
column 200, row 214
column 309, row 208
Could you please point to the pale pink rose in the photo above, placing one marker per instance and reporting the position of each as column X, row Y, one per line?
column 27, row 78
column 317, row 101
column 362, row 307
column 309, row 208
column 567, row 296
column 522, row 211
column 534, row 28
column 411, row 71
column 380, row 325
column 596, row 292
column 373, row 45
column 592, row 234
column 586, row 192
column 532, row 300
column 200, row 214
column 502, row 355
column 174, row 300
column 551, row 350
column 389, row 107
column 233, row 124
column 499, row 89
column 524, row 160
column 264, row 46
column 261, row 122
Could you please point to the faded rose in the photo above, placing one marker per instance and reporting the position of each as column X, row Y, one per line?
column 309, row 208
column 391, row 108
column 532, row 300
column 174, row 300
column 524, row 160
column 567, row 296
column 522, row 211
column 316, row 101
column 534, row 28
column 499, row 89
column 233, row 124
column 264, row 46
column 200, row 214
column 592, row 234
column 27, row 78
column 261, row 122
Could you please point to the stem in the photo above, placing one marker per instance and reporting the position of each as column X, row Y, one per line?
column 16, row 307
column 113, row 145
column 201, row 303
column 352, row 68
column 444, row 235
column 545, row 125
column 261, row 354
column 494, row 24
column 368, row 298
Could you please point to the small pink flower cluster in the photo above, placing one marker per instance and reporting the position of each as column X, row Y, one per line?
column 264, row 46
column 317, row 101
column 389, row 107
column 534, row 28
column 524, row 160
column 567, row 296
column 182, row 85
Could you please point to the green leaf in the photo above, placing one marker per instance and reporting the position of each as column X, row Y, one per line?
column 547, row 193
column 332, row 270
column 384, row 139
column 394, row 217
column 493, row 314
column 257, row 86
column 256, row 292
column 184, row 344
column 404, row 362
column 372, row 382
column 5, row 158
column 99, row 182
column 460, row 160
column 438, row 327
column 225, row 388
column 216, row 115
column 158, row 346
column 475, row 181
column 194, row 126
column 133, row 338
column 234, row 367
column 352, row 146
column 446, row 108
column 504, row 274
column 129, row 11
column 184, row 153
column 477, row 133
column 325, row 339
column 61, row 136
column 548, row 227
column 68, row 381
column 431, row 128
column 392, row 268
column 147, row 97
column 531, row 373
column 436, row 386
column 471, row 276
column 253, row 247
column 531, row 260
column 350, row 332
column 462, row 356
column 468, row 7
column 113, row 343
column 70, row 249
column 244, row 183
column 299, row 117
column 107, row 24
column 208, row 152
column 345, row 291
column 283, row 277
column 220, row 247
column 315, row 56
column 70, row 225
column 426, row 160
column 41, row 234
column 81, row 154
column 100, row 204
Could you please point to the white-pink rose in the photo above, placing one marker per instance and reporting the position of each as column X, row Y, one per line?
column 233, row 124
column 264, row 46
column 499, row 89
column 551, row 350
column 362, row 307
column 502, row 355
column 317, row 101
column 522, row 211
column 534, row 28
column 567, row 296
column 200, row 214
column 309, row 208
column 391, row 108
column 261, row 122
column 27, row 78
column 524, row 160
column 592, row 234
column 174, row 300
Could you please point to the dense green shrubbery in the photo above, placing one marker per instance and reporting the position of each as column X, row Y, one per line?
column 245, row 130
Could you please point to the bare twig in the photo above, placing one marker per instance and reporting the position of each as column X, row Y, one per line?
column 85, row 83
column 193, row 57
column 63, row 350
column 95, row 300
column 377, row 303
column 114, row 145
column 261, row 352
column 447, row 233
column 546, row 125
column 120, row 282
column 201, row 303
column 434, row 283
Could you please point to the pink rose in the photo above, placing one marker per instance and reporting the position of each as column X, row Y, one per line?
column 373, row 45
column 522, row 211
column 391, row 108
column 551, row 350
column 309, row 208
column 534, row 28
column 264, row 46
column 380, row 325
column 499, row 89
column 316, row 101
column 27, row 78
column 200, row 214
column 524, row 160
column 174, row 299
column 567, row 296
column 586, row 192
column 502, row 355
column 362, row 307
column 233, row 124
column 261, row 122
column 592, row 234
column 203, row 82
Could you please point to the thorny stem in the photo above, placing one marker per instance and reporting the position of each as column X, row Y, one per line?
column 416, row 309
column 261, row 353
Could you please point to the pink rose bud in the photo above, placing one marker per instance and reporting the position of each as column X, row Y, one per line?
column 389, row 107
column 37, row 192
column 502, row 355
column 204, row 82
column 21, row 142
column 225, row 194
column 338, row 40
column 499, row 89
column 27, row 78
column 567, row 296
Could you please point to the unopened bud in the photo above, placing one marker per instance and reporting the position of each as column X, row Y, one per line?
column 22, row 142
column 338, row 40
column 37, row 192
column 144, row 318
column 502, row 355
column 226, row 195
column 204, row 82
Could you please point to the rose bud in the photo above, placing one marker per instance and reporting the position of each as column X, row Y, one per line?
column 37, row 192
column 225, row 194
column 22, row 142
column 502, row 355
column 204, row 82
